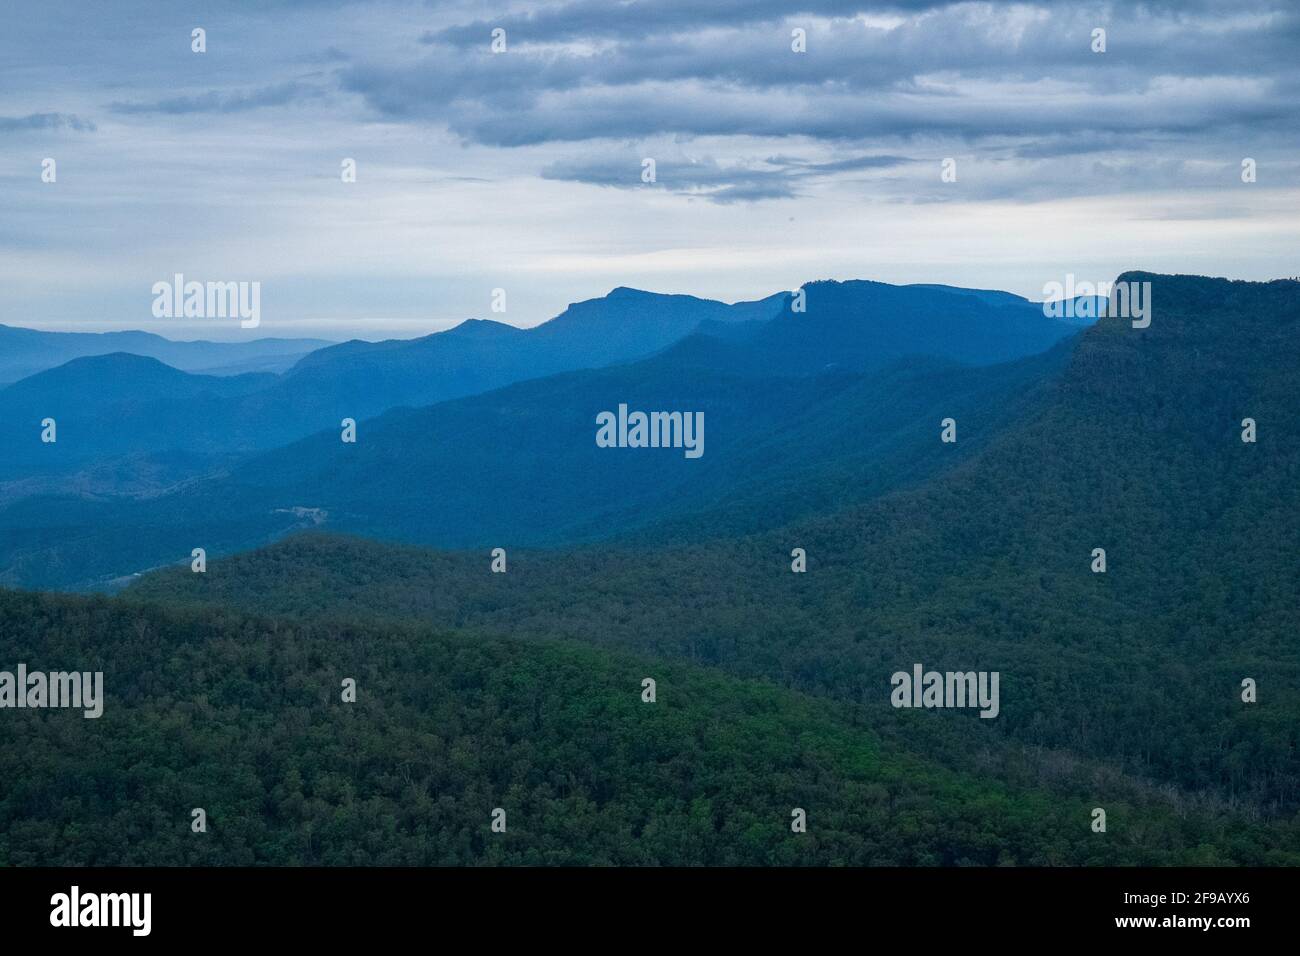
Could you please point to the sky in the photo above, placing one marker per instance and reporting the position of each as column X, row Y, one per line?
column 522, row 168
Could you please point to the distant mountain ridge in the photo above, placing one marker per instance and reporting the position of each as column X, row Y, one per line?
column 361, row 379
column 120, row 415
column 852, row 326
column 861, row 325
column 108, row 407
column 24, row 352
column 806, row 409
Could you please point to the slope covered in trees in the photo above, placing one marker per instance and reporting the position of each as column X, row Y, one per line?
column 242, row 716
column 1137, row 450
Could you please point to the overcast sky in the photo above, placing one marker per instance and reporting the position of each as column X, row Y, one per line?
column 522, row 169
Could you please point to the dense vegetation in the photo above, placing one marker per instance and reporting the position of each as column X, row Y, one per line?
column 521, row 690
column 1137, row 450
column 242, row 716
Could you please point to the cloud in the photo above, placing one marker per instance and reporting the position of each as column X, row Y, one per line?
column 562, row 22
column 330, row 54
column 599, row 18
column 216, row 101
column 971, row 71
column 774, row 178
column 14, row 124
column 479, row 170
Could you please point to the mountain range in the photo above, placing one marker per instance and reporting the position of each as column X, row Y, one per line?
column 1133, row 444
column 1111, row 532
column 25, row 352
column 502, row 442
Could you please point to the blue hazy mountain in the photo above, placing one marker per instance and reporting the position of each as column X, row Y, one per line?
column 863, row 324
column 358, row 379
column 804, row 411
column 853, row 326
column 129, row 424
column 860, row 325
column 123, row 423
column 25, row 352
column 522, row 463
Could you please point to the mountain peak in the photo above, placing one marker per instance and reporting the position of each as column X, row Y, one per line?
column 111, row 362
column 483, row 327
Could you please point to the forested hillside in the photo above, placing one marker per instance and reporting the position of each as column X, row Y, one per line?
column 1120, row 688
column 243, row 717
column 1138, row 451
